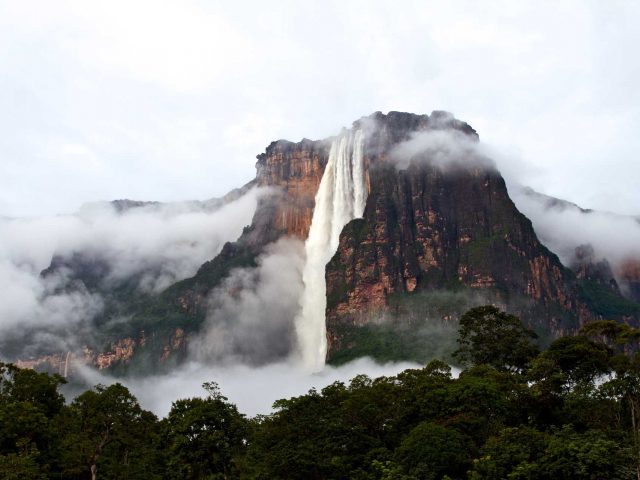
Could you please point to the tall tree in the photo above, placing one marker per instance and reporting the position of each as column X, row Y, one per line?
column 103, row 422
column 203, row 437
column 490, row 336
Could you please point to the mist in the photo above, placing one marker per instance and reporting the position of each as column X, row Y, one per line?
column 156, row 244
column 252, row 389
column 563, row 226
column 250, row 317
column 446, row 150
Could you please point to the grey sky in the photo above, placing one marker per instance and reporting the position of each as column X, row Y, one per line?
column 161, row 100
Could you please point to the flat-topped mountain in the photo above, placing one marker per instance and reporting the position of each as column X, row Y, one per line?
column 423, row 228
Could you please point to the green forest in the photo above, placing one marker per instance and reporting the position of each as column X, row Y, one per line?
column 514, row 412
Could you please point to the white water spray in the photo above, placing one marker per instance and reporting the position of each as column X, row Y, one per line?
column 341, row 197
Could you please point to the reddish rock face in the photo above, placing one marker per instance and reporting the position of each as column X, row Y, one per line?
column 59, row 363
column 295, row 169
column 630, row 273
column 427, row 228
column 122, row 352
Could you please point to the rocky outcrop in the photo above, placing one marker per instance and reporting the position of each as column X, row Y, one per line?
column 58, row 363
column 588, row 267
column 612, row 263
column 295, row 171
column 120, row 353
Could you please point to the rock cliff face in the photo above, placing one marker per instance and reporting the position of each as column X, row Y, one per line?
column 604, row 251
column 427, row 227
column 587, row 267
column 295, row 170
column 120, row 353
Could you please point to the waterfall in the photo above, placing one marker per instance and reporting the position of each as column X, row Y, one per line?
column 65, row 374
column 341, row 197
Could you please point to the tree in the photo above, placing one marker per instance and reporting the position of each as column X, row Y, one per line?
column 101, row 424
column 611, row 332
column 204, row 436
column 26, row 385
column 431, row 451
column 21, row 465
column 511, row 452
column 584, row 456
column 29, row 401
column 490, row 336
column 572, row 360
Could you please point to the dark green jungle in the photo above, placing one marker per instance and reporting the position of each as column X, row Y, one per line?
column 571, row 411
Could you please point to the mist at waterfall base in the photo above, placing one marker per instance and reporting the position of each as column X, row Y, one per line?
column 252, row 389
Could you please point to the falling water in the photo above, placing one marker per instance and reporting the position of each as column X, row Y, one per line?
column 341, row 197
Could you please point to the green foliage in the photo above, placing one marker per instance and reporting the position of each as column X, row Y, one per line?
column 525, row 453
column 588, row 455
column 492, row 337
column 509, row 454
column 203, row 438
column 105, row 428
column 388, row 343
column 21, row 465
column 606, row 302
column 571, row 412
column 431, row 451
column 572, row 360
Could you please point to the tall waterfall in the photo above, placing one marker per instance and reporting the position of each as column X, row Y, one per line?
column 341, row 197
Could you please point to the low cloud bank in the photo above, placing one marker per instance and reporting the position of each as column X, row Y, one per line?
column 562, row 227
column 252, row 389
column 157, row 244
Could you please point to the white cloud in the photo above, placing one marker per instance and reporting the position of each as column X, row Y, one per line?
column 614, row 237
column 162, row 243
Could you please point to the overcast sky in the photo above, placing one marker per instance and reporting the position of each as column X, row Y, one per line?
column 160, row 100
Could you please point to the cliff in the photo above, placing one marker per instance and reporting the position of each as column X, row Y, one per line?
column 429, row 228
column 439, row 234
column 295, row 171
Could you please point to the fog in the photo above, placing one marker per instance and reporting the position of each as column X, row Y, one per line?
column 251, row 314
column 155, row 244
column 443, row 149
column 562, row 227
column 252, row 389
